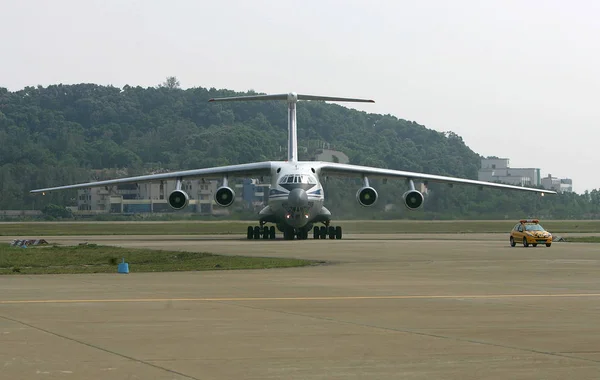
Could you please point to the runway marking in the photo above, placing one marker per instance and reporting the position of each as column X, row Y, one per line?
column 91, row 345
column 332, row 298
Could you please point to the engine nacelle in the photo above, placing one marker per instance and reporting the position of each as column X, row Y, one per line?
column 413, row 199
column 366, row 196
column 178, row 199
column 224, row 196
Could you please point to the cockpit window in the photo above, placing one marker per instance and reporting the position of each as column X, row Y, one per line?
column 291, row 178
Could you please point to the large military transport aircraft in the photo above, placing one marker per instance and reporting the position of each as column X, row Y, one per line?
column 296, row 198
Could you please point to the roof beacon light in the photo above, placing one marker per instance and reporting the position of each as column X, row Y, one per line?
column 529, row 221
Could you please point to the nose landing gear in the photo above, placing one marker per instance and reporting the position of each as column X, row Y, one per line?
column 326, row 231
column 290, row 232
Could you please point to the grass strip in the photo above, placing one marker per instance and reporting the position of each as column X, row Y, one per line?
column 92, row 258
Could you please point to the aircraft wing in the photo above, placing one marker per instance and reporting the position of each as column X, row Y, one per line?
column 345, row 170
column 243, row 170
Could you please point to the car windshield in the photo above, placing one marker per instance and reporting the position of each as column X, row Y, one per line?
column 533, row 227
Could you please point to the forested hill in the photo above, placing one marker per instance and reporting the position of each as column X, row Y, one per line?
column 57, row 134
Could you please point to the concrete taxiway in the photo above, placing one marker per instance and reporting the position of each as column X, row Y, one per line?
column 383, row 307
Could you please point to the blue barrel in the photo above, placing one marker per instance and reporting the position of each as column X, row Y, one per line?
column 123, row 267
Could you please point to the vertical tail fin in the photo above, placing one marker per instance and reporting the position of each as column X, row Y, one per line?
column 292, row 98
column 292, row 130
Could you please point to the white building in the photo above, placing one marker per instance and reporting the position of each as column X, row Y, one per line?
column 498, row 170
column 146, row 197
column 254, row 193
column 152, row 197
column 561, row 185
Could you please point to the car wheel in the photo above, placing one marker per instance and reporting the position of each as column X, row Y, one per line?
column 512, row 242
column 525, row 244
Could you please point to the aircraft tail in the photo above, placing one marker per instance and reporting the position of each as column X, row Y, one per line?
column 292, row 98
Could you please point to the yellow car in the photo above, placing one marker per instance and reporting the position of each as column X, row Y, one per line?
column 529, row 231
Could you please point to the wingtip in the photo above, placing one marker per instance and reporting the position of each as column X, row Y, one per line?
column 211, row 100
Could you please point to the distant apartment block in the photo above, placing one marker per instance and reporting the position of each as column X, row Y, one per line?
column 561, row 185
column 253, row 193
column 152, row 197
column 498, row 170
column 146, row 197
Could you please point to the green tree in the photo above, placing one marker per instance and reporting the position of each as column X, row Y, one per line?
column 170, row 83
column 56, row 211
column 64, row 134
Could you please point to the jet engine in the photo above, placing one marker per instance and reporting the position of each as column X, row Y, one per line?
column 224, row 196
column 413, row 199
column 366, row 196
column 178, row 199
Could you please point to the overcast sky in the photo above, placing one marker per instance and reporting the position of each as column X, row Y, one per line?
column 516, row 79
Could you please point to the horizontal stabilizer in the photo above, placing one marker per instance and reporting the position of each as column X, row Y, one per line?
column 251, row 97
column 333, row 99
column 290, row 97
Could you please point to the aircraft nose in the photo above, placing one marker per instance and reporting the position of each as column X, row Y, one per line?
column 298, row 198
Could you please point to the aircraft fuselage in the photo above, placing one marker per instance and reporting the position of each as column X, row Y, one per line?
column 296, row 195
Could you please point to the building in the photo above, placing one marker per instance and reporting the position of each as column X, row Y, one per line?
column 94, row 199
column 253, row 193
column 146, row 197
column 499, row 170
column 152, row 197
column 561, row 185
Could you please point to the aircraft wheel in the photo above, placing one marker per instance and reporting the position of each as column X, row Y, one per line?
column 316, row 232
column 331, row 232
column 250, row 234
column 272, row 232
column 534, row 244
column 548, row 244
column 323, row 232
column 256, row 232
column 288, row 233
column 525, row 244
column 512, row 242
column 265, row 232
column 338, row 232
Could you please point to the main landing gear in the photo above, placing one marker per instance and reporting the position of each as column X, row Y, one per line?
column 322, row 232
column 327, row 231
column 261, row 232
